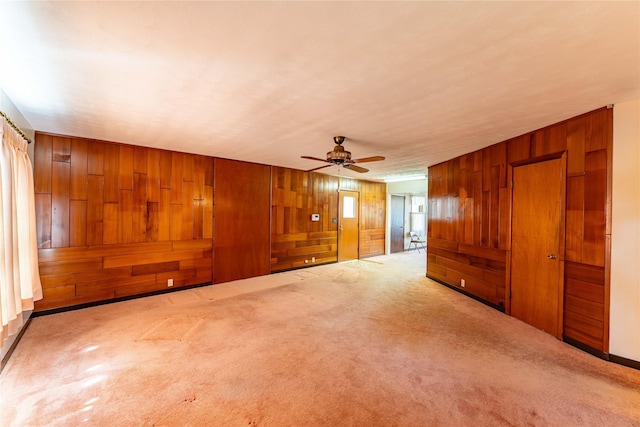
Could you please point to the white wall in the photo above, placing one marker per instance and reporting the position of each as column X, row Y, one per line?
column 404, row 188
column 625, row 233
column 8, row 107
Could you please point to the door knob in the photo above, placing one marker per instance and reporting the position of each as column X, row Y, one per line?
column 551, row 256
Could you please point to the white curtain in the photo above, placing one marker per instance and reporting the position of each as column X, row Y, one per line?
column 19, row 276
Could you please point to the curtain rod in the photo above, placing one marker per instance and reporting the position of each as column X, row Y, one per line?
column 15, row 126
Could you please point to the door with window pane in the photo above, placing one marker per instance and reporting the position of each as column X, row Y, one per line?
column 348, row 222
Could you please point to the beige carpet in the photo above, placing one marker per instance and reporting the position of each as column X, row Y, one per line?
column 364, row 343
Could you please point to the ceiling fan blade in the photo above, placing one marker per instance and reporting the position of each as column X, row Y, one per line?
column 368, row 159
column 321, row 167
column 315, row 158
column 356, row 168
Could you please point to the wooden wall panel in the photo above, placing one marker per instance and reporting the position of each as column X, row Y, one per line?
column 241, row 220
column 595, row 196
column 76, row 275
column 60, row 204
column 42, row 164
column 95, row 158
column 78, row 179
column 43, row 219
column 483, row 202
column 296, row 241
column 111, row 173
column 116, row 220
column 99, row 201
column 373, row 198
column 153, row 176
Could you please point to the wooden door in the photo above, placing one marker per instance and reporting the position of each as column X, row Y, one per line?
column 536, row 245
column 241, row 220
column 348, row 223
column 396, row 233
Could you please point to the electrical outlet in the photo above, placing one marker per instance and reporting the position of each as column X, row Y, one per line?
column 169, row 283
column 313, row 259
column 463, row 283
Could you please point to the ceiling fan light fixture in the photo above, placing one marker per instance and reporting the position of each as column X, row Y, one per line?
column 338, row 155
column 341, row 157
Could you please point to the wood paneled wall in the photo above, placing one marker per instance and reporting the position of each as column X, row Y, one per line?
column 116, row 220
column 469, row 219
column 373, row 199
column 295, row 239
column 241, row 220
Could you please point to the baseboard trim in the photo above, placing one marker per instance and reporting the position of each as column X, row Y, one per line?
column 300, row 267
column 584, row 347
column 624, row 361
column 630, row 363
column 470, row 295
column 114, row 300
column 371, row 255
column 13, row 346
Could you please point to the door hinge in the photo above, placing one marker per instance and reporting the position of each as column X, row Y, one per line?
column 512, row 184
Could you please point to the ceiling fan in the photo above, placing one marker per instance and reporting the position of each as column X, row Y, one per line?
column 340, row 156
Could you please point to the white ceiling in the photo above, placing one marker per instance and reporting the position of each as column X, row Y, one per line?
column 267, row 82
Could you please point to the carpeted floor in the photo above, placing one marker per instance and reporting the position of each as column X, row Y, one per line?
column 365, row 343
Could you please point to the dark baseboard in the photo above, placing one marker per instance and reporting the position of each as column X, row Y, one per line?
column 594, row 351
column 624, row 361
column 470, row 295
column 371, row 255
column 114, row 300
column 7, row 356
column 315, row 264
column 630, row 363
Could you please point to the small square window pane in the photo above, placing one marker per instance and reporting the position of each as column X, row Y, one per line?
column 349, row 209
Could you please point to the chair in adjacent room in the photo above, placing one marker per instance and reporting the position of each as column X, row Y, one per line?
column 416, row 242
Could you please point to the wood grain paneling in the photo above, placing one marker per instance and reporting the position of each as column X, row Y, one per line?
column 95, row 158
column 296, row 241
column 241, row 220
column 482, row 201
column 77, row 223
column 153, row 176
column 43, row 220
column 595, row 197
column 117, row 220
column 95, row 209
column 125, row 167
column 42, row 164
column 78, row 179
column 101, row 200
column 61, row 149
column 111, row 173
column 373, row 198
column 60, row 204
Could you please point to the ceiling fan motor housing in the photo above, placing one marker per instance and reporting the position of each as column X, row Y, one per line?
column 338, row 155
